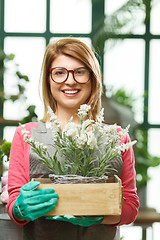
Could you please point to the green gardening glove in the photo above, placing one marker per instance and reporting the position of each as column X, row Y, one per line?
column 81, row 221
column 32, row 204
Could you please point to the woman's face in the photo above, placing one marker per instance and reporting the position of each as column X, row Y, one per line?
column 69, row 95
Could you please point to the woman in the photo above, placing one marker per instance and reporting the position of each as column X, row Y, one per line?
column 71, row 77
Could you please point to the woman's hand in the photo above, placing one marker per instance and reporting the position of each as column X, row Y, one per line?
column 32, row 204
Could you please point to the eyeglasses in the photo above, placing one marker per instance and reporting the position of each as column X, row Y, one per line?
column 60, row 74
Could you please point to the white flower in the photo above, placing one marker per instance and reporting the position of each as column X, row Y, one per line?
column 44, row 147
column 81, row 140
column 128, row 145
column 124, row 132
column 37, row 144
column 40, row 145
column 86, row 124
column 125, row 146
column 54, row 129
column 23, row 130
column 53, row 117
column 54, row 124
column 71, row 130
column 84, row 109
column 100, row 117
column 111, row 129
column 25, row 133
column 48, row 125
column 79, row 143
column 92, row 141
column 28, row 139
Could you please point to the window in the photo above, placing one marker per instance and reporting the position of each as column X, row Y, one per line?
column 133, row 64
column 123, row 69
column 66, row 16
column 26, row 28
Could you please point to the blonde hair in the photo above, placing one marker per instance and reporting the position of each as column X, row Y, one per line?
column 80, row 51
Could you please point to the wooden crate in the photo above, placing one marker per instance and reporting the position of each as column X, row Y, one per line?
column 86, row 199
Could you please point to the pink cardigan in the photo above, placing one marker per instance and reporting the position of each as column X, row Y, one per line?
column 19, row 176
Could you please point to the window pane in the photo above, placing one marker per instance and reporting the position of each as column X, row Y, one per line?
column 8, row 133
column 130, row 232
column 71, row 16
column 112, row 5
column 131, row 20
column 18, row 110
column 155, row 18
column 153, row 141
column 154, row 86
column 25, row 15
column 124, row 69
column 87, row 41
column 28, row 54
column 153, row 195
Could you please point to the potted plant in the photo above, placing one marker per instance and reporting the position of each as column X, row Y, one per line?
column 81, row 156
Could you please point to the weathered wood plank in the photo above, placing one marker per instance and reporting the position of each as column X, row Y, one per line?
column 87, row 199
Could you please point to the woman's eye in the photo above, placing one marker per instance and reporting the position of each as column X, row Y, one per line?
column 80, row 72
column 59, row 72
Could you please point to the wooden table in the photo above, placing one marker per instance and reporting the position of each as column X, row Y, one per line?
column 146, row 218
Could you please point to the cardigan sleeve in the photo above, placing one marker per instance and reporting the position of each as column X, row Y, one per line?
column 18, row 174
column 131, row 200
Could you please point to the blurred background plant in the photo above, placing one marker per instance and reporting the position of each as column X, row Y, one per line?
column 123, row 21
column 144, row 160
column 5, row 150
column 21, row 86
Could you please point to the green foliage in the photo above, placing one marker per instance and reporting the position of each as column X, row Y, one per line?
column 22, row 76
column 121, row 22
column 32, row 116
column 5, row 150
column 121, row 97
column 21, row 88
column 84, row 149
column 83, row 162
column 21, row 83
column 4, row 58
column 144, row 159
column 22, row 80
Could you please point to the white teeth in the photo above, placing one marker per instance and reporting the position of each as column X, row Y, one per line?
column 70, row 92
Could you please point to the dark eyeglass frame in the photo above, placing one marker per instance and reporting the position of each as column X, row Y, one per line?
column 70, row 71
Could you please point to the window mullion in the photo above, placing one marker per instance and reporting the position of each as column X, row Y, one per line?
column 47, row 34
column 97, row 15
column 1, row 62
column 147, row 55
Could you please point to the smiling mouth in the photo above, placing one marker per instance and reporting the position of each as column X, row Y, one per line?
column 70, row 91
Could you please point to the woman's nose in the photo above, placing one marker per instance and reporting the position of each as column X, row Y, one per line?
column 70, row 79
